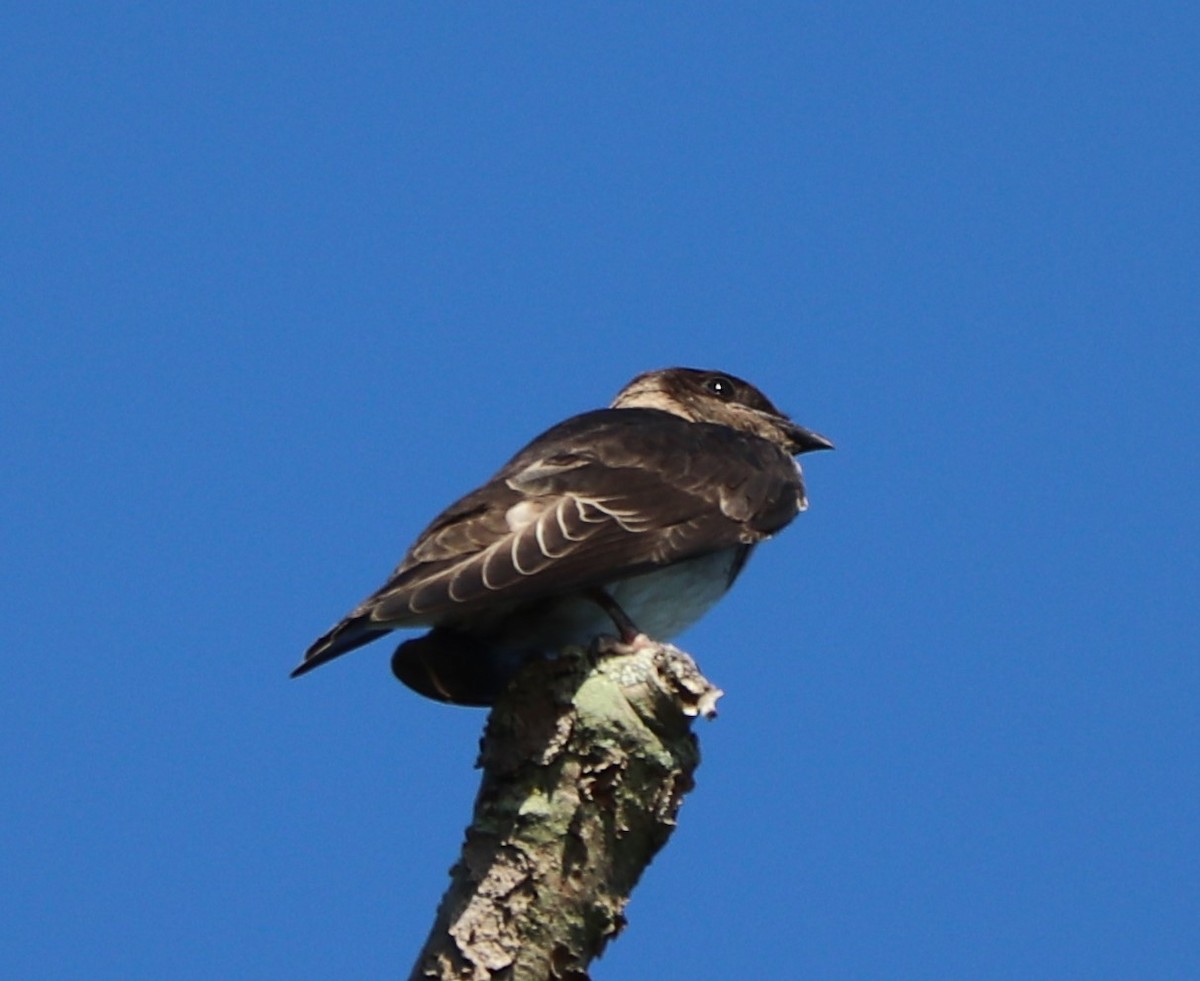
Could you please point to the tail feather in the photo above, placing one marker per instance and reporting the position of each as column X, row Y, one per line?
column 347, row 636
column 453, row 667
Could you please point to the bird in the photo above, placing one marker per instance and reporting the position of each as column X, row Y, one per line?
column 637, row 517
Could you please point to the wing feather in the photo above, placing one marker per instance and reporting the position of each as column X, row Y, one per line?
column 614, row 495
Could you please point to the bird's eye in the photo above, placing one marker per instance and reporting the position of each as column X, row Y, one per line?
column 720, row 386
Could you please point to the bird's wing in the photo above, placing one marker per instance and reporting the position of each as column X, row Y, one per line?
column 599, row 497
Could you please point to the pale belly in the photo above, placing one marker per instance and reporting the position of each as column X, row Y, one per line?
column 663, row 603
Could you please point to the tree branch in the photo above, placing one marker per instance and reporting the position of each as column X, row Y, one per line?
column 586, row 760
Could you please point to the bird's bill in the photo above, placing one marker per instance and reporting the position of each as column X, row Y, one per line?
column 801, row 440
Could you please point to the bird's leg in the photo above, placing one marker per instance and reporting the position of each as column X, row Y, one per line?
column 626, row 627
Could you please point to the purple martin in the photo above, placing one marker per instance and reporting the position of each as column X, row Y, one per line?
column 637, row 517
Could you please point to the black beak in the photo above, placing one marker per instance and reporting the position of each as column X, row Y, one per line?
column 801, row 440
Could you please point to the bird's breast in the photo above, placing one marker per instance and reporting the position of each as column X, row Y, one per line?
column 663, row 603
column 667, row 601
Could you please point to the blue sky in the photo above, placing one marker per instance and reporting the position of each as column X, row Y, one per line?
column 281, row 281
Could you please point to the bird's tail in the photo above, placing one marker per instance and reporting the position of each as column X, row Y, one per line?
column 454, row 667
column 348, row 635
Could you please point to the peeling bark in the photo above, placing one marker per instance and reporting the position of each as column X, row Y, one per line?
column 586, row 760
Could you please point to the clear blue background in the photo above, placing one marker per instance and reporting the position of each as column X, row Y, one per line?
column 280, row 281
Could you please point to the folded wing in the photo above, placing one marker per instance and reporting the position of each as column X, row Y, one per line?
column 602, row 496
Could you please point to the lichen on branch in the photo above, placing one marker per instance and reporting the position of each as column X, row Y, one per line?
column 586, row 760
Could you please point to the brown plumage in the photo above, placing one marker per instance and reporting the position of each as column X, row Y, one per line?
column 640, row 515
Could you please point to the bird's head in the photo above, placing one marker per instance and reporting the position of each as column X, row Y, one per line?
column 720, row 398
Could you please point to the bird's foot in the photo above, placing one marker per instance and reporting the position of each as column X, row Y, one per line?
column 633, row 643
column 621, row 620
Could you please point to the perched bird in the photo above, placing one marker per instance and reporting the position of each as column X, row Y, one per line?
column 639, row 517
